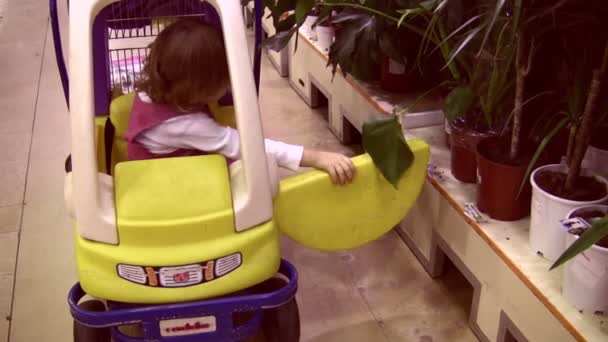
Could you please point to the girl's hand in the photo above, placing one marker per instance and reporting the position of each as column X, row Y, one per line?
column 340, row 168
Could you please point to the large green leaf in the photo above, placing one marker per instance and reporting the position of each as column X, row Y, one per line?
column 286, row 24
column 356, row 39
column 541, row 147
column 385, row 143
column 458, row 102
column 280, row 40
column 490, row 25
column 593, row 235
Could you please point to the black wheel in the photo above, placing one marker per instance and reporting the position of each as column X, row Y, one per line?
column 280, row 324
column 82, row 333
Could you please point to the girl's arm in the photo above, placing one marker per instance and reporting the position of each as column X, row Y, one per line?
column 340, row 167
column 203, row 133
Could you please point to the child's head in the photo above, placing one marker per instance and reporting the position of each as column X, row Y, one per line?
column 187, row 66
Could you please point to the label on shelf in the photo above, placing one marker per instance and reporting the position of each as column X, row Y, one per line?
column 471, row 211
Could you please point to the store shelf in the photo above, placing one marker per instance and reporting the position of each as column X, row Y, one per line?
column 514, row 290
column 351, row 102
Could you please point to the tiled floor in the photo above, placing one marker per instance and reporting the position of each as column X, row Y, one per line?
column 375, row 293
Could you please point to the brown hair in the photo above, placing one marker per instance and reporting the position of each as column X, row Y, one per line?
column 187, row 65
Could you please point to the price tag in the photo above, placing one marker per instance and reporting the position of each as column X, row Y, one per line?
column 574, row 223
column 471, row 211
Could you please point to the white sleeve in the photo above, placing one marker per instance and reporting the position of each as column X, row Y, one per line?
column 201, row 132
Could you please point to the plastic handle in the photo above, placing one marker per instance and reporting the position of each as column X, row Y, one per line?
column 94, row 208
column 253, row 205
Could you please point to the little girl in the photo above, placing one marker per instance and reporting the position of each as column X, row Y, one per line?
column 187, row 69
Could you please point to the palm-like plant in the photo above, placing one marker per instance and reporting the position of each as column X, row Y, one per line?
column 584, row 63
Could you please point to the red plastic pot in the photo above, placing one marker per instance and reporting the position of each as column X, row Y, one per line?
column 395, row 77
column 498, row 192
column 463, row 145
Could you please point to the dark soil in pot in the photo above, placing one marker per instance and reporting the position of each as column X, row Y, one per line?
column 463, row 145
column 585, row 189
column 499, row 181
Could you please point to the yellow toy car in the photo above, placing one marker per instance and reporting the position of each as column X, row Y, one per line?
column 192, row 230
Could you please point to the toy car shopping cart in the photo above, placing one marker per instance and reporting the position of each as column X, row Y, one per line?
column 170, row 254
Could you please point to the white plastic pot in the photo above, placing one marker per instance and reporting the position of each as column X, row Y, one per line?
column 596, row 160
column 325, row 37
column 307, row 29
column 585, row 283
column 546, row 235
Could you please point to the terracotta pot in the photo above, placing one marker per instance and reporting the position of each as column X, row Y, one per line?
column 499, row 184
column 463, row 145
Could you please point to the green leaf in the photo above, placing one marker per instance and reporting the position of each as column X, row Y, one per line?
column 280, row 40
column 279, row 7
column 458, row 102
column 356, row 39
column 499, row 5
column 303, row 8
column 593, row 235
column 286, row 24
column 388, row 44
column 385, row 143
column 543, row 144
column 455, row 52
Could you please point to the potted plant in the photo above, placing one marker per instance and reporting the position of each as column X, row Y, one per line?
column 367, row 35
column 559, row 188
column 503, row 160
column 360, row 29
column 477, row 109
column 585, row 281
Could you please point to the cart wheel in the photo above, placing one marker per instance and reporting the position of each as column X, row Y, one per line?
column 82, row 333
column 281, row 324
